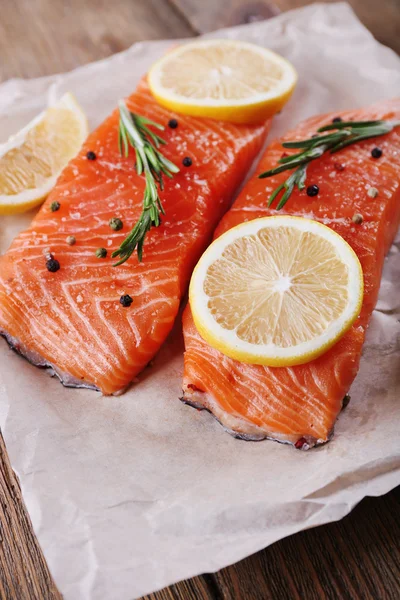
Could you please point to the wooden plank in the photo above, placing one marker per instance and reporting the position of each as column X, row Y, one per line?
column 358, row 557
column 49, row 36
column 23, row 570
column 382, row 18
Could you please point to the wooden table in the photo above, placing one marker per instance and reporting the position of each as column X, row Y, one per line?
column 356, row 558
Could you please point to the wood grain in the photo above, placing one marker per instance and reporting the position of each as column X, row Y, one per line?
column 381, row 17
column 23, row 570
column 41, row 37
column 197, row 588
column 356, row 558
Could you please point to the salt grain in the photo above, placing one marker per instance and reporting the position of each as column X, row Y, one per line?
column 372, row 192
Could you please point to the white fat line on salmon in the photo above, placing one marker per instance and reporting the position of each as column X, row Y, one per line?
column 317, row 404
column 50, row 329
column 274, row 380
column 304, row 215
column 102, row 350
column 106, row 322
column 53, row 239
column 37, row 360
column 155, row 302
column 113, row 166
column 242, row 387
column 275, row 400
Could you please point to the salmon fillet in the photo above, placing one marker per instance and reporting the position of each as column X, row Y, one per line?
column 300, row 404
column 72, row 320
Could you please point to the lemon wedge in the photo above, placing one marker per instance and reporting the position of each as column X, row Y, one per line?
column 223, row 79
column 276, row 291
column 31, row 160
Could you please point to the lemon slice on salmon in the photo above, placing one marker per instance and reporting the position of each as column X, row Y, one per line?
column 31, row 160
column 223, row 79
column 276, row 291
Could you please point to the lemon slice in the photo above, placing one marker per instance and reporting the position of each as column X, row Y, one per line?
column 277, row 291
column 31, row 160
column 223, row 79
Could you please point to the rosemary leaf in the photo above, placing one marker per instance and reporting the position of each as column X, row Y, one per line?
column 344, row 133
column 135, row 133
column 316, row 141
column 353, row 125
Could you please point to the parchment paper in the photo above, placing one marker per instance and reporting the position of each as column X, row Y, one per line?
column 130, row 494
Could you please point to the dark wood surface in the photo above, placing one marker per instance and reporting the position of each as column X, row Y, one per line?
column 356, row 558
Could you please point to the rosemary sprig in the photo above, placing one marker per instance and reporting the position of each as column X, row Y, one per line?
column 134, row 132
column 344, row 133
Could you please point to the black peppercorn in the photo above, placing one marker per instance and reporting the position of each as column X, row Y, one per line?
column 345, row 401
column 91, row 155
column 173, row 123
column 115, row 223
column 126, row 300
column 312, row 190
column 52, row 265
column 101, row 253
column 187, row 161
column 54, row 206
column 376, row 152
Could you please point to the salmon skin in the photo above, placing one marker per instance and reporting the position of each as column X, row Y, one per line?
column 299, row 405
column 72, row 320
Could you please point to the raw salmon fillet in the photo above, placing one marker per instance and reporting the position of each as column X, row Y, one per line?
column 300, row 404
column 72, row 320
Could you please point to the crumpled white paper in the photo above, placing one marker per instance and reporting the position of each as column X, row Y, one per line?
column 130, row 494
